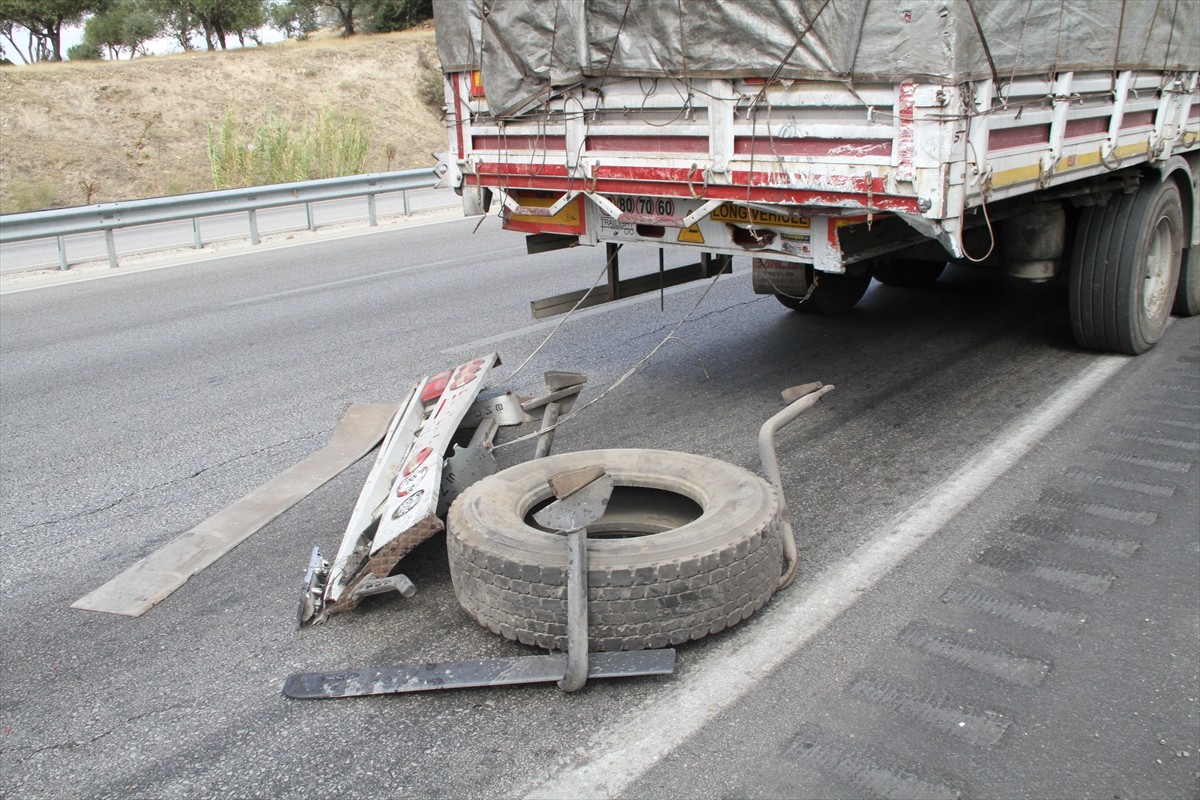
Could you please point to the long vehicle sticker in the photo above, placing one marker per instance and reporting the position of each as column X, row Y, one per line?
column 740, row 215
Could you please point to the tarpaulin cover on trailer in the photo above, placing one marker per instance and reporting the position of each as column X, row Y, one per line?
column 527, row 49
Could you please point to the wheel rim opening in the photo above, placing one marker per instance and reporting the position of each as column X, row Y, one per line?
column 1158, row 269
column 635, row 511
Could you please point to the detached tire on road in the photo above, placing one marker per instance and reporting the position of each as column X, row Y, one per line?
column 688, row 546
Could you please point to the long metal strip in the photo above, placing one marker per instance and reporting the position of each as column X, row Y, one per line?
column 472, row 674
column 136, row 590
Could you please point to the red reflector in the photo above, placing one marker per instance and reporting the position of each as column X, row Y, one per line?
column 476, row 84
column 434, row 388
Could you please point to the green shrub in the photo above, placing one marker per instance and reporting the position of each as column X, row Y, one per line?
column 277, row 150
column 33, row 196
column 430, row 89
column 84, row 51
column 227, row 157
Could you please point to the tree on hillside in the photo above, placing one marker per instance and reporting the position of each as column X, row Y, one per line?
column 21, row 41
column 217, row 20
column 44, row 19
column 178, row 22
column 345, row 10
column 126, row 25
column 399, row 15
column 295, row 19
column 376, row 16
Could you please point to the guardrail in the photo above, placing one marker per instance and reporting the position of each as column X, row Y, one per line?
column 107, row 217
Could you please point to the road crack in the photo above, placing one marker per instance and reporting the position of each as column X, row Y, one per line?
column 33, row 752
column 164, row 485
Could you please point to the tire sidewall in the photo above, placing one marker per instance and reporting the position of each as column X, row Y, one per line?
column 1159, row 204
column 730, row 497
column 645, row 591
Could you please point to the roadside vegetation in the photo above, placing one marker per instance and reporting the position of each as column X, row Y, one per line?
column 279, row 150
column 86, row 132
column 32, row 30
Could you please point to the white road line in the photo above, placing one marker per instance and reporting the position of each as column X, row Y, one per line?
column 623, row 752
column 360, row 278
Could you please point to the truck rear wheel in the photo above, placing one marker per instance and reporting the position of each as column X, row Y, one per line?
column 833, row 294
column 687, row 546
column 1125, row 269
column 1187, row 295
column 907, row 272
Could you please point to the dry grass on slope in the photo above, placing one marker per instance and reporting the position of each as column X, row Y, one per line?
column 101, row 131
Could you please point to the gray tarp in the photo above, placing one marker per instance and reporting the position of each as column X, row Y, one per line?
column 527, row 48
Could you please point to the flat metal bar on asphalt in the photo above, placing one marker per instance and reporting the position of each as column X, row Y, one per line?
column 472, row 674
column 136, row 590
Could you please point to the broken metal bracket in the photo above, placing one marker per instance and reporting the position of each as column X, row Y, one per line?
column 563, row 388
column 582, row 496
column 373, row 584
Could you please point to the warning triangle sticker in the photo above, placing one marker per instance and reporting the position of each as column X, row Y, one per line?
column 691, row 235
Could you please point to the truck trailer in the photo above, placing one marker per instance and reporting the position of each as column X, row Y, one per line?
column 839, row 141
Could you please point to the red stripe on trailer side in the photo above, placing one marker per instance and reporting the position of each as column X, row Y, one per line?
column 647, row 144
column 1145, row 119
column 458, row 122
column 854, row 194
column 1086, row 127
column 511, row 169
column 1007, row 138
column 520, row 143
column 808, row 146
column 686, row 178
column 905, row 139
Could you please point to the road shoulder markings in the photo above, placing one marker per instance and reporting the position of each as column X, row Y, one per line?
column 629, row 748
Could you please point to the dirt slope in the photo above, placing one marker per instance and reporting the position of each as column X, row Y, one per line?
column 129, row 129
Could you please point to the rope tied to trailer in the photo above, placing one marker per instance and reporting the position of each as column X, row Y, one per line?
column 987, row 50
column 624, row 377
column 691, row 184
column 752, row 109
column 607, row 265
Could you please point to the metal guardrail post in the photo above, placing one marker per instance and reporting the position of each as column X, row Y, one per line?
column 253, row 214
column 407, row 210
column 62, row 253
column 196, row 233
column 111, row 246
column 372, row 219
column 309, row 218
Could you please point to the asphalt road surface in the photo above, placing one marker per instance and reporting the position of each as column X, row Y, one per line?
column 999, row 566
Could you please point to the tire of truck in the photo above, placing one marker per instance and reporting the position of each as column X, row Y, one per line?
column 1124, row 269
column 907, row 272
column 687, row 546
column 833, row 294
column 1187, row 294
